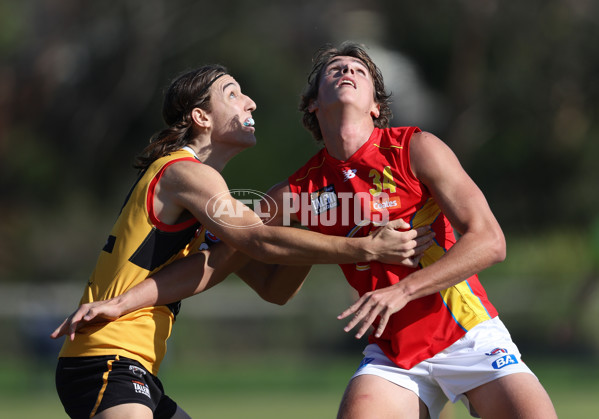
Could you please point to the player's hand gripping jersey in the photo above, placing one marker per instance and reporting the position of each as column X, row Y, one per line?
column 344, row 198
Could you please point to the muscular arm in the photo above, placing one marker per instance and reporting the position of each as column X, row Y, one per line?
column 199, row 272
column 480, row 245
column 192, row 275
column 187, row 277
column 203, row 192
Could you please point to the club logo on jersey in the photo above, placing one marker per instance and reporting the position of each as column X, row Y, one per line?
column 141, row 388
column 504, row 361
column 497, row 351
column 348, row 174
column 324, row 199
column 140, row 372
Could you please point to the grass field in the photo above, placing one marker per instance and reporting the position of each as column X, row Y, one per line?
column 280, row 388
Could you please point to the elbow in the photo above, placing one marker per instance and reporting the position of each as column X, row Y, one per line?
column 497, row 248
column 277, row 299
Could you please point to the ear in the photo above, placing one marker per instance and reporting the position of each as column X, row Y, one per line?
column 375, row 112
column 201, row 118
column 313, row 106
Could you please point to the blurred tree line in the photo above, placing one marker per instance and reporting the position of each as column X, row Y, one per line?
column 510, row 86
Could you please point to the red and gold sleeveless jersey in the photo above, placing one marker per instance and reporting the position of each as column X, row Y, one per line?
column 348, row 198
column 138, row 245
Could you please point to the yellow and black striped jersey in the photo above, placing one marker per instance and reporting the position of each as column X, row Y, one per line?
column 138, row 244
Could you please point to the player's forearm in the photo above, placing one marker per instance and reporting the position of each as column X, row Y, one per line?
column 177, row 281
column 292, row 246
column 276, row 284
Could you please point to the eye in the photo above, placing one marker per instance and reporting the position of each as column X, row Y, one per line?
column 332, row 69
column 232, row 95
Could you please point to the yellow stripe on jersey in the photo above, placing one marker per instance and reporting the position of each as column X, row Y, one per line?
column 357, row 227
column 388, row 148
column 463, row 304
column 465, row 307
column 310, row 169
column 423, row 217
column 431, row 255
column 427, row 214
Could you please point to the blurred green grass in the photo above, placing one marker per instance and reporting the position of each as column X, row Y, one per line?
column 277, row 387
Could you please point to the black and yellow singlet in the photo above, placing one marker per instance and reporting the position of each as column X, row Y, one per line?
column 138, row 245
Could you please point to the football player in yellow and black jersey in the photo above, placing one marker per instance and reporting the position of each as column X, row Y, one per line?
column 109, row 369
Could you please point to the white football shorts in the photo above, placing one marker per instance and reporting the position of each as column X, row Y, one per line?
column 484, row 354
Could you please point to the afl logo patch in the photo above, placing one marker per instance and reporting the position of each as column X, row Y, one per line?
column 324, row 199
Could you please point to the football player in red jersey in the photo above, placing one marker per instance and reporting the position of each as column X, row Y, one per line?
column 436, row 335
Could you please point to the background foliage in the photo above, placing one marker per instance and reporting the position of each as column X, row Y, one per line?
column 510, row 86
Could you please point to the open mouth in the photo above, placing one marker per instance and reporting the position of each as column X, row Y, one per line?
column 249, row 122
column 348, row 83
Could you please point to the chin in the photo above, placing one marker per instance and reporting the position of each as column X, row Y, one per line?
column 246, row 142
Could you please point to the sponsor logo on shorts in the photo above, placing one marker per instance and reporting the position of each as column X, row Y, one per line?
column 365, row 362
column 497, row 351
column 504, row 361
column 141, row 388
column 140, row 372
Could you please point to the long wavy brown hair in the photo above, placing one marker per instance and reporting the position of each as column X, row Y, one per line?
column 188, row 91
column 322, row 57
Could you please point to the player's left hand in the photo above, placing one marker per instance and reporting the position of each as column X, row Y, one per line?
column 94, row 312
column 379, row 303
column 408, row 244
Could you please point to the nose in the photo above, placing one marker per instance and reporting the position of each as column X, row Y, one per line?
column 250, row 105
column 347, row 69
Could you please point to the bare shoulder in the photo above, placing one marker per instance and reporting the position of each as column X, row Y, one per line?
column 431, row 157
column 426, row 142
column 186, row 186
column 188, row 175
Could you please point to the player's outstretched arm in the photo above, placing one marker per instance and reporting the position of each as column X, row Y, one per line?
column 179, row 280
column 186, row 277
column 195, row 189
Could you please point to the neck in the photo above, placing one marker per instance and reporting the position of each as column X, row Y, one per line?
column 212, row 154
column 344, row 136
